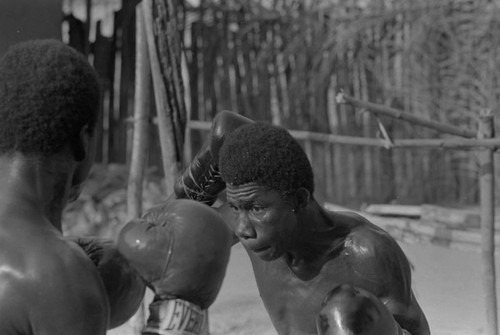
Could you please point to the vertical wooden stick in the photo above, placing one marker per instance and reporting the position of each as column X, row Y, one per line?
column 87, row 25
column 159, row 89
column 142, row 109
column 138, row 162
column 487, row 197
column 161, row 32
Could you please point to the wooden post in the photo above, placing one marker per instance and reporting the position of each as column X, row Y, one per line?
column 88, row 26
column 138, row 161
column 164, row 55
column 487, row 197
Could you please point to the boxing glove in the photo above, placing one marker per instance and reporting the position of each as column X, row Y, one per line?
column 124, row 286
column 181, row 249
column 350, row 310
column 201, row 180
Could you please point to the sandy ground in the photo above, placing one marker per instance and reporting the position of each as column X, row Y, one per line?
column 447, row 283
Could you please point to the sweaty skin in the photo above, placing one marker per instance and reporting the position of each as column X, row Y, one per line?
column 300, row 252
column 48, row 286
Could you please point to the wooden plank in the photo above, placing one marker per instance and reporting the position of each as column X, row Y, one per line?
column 238, row 76
column 415, row 231
column 104, row 51
column 455, row 217
column 209, row 57
column 329, row 172
column 339, row 166
column 251, row 104
column 126, row 25
column 263, row 74
column 225, row 98
column 410, row 211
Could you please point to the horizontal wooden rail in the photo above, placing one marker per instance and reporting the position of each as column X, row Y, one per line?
column 445, row 143
column 342, row 98
column 199, row 125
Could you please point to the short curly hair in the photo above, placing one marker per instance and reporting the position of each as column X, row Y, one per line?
column 267, row 155
column 48, row 93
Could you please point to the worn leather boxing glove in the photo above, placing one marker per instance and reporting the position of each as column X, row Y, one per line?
column 124, row 286
column 350, row 310
column 201, row 180
column 181, row 249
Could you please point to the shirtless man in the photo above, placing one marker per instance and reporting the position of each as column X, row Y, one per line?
column 299, row 251
column 49, row 97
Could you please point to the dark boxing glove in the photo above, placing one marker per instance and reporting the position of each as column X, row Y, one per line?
column 350, row 310
column 201, row 180
column 124, row 286
column 181, row 249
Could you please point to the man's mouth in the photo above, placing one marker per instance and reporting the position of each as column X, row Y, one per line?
column 260, row 250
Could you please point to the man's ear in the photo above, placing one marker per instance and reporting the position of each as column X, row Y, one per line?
column 302, row 198
column 81, row 144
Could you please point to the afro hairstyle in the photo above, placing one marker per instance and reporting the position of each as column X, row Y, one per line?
column 267, row 155
column 48, row 93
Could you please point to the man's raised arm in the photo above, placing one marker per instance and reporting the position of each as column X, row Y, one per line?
column 201, row 180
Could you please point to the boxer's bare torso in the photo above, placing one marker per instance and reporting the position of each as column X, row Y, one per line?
column 293, row 303
column 297, row 257
column 49, row 104
column 41, row 273
column 33, row 300
column 299, row 251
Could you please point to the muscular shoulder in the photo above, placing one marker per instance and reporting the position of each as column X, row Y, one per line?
column 365, row 238
column 381, row 266
column 375, row 254
column 55, row 286
column 65, row 264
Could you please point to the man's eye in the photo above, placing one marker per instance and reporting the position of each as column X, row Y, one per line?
column 257, row 209
column 233, row 208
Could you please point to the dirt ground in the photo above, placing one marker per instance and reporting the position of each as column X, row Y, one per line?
column 447, row 283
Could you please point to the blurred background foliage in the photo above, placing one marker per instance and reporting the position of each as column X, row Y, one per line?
column 101, row 209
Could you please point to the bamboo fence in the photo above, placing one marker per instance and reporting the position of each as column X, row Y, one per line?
column 285, row 62
column 426, row 62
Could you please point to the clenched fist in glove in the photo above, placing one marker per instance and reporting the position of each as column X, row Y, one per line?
column 201, row 180
column 124, row 286
column 181, row 249
column 350, row 310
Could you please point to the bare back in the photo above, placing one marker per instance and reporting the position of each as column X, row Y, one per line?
column 47, row 285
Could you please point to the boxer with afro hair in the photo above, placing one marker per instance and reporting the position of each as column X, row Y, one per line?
column 299, row 250
column 268, row 155
column 44, row 103
column 49, row 104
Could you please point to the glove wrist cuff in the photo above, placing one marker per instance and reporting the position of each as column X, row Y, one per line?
column 176, row 317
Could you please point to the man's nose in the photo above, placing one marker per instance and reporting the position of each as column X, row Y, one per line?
column 244, row 228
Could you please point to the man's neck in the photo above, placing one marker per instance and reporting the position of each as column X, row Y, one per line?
column 32, row 182
column 319, row 237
